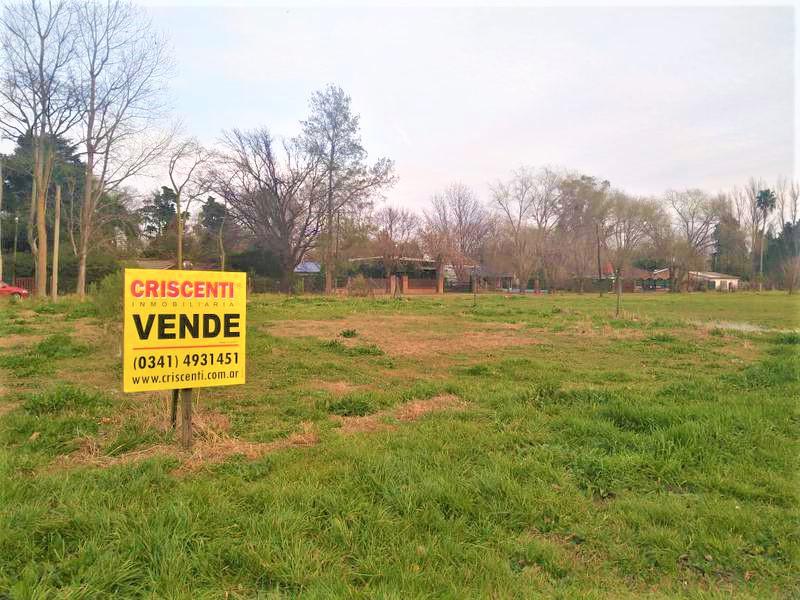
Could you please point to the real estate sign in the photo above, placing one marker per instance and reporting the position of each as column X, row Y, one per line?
column 183, row 329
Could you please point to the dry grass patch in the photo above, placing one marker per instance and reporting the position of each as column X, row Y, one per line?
column 410, row 411
column 210, row 446
column 18, row 341
column 212, row 442
column 415, row 336
column 338, row 388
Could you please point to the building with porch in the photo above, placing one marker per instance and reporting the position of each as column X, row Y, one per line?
column 711, row 280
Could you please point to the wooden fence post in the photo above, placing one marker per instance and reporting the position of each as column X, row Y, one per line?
column 173, row 412
column 186, row 417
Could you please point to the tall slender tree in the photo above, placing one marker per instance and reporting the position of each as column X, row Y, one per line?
column 38, row 97
column 628, row 226
column 332, row 134
column 122, row 69
column 458, row 219
column 188, row 169
column 765, row 203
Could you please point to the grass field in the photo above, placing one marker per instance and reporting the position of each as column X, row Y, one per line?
column 522, row 447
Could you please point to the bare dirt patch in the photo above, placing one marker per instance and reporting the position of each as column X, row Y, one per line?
column 6, row 407
column 410, row 411
column 337, row 388
column 19, row 341
column 413, row 336
column 90, row 333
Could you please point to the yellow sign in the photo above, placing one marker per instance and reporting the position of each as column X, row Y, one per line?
column 183, row 329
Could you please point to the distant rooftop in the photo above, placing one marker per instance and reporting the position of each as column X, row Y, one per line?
column 712, row 275
column 309, row 267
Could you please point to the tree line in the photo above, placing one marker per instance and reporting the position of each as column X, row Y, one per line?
column 84, row 97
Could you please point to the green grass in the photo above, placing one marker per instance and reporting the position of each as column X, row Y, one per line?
column 651, row 455
column 40, row 358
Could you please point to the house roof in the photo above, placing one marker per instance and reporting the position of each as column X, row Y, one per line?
column 308, row 267
column 400, row 259
column 712, row 275
column 147, row 263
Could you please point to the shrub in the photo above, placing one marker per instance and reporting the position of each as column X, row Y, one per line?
column 59, row 345
column 359, row 286
column 107, row 296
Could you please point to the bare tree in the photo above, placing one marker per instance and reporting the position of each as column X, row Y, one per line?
column 395, row 236
column 460, row 222
column 696, row 215
column 122, row 67
column 628, row 225
column 787, row 194
column 280, row 201
column 515, row 202
column 528, row 204
column 189, row 176
column 331, row 134
column 38, row 97
column 581, row 225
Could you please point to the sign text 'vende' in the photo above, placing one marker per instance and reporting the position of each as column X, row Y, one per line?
column 183, row 329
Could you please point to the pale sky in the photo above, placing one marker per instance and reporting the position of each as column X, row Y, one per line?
column 649, row 98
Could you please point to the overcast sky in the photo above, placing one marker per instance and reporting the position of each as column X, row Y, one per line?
column 649, row 98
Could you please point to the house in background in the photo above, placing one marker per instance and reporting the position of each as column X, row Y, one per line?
column 713, row 281
column 308, row 267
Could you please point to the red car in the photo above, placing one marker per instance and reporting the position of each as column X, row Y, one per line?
column 15, row 292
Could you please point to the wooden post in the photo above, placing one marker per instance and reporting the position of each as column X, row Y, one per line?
column 173, row 413
column 186, row 417
column 14, row 255
column 56, row 227
column 185, row 393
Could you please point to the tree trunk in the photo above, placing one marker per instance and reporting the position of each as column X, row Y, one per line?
column 179, row 232
column 761, row 263
column 221, row 249
column 81, row 286
column 31, row 232
column 56, row 232
column 41, row 237
column 329, row 249
column 16, row 245
column 619, row 291
column 286, row 281
column 599, row 265
column 85, row 225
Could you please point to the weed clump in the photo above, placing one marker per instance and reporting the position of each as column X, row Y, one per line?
column 38, row 360
column 791, row 338
column 59, row 345
column 61, row 399
column 363, row 350
column 662, row 338
column 354, row 405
